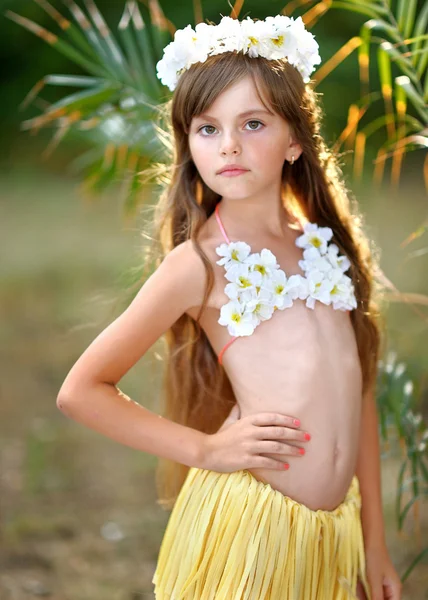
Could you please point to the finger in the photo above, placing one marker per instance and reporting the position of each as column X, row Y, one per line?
column 280, row 433
column 391, row 591
column 278, row 448
column 376, row 591
column 262, row 462
column 263, row 419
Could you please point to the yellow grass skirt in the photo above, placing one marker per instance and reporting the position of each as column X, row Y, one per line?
column 233, row 537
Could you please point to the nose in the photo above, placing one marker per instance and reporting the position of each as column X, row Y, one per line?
column 229, row 145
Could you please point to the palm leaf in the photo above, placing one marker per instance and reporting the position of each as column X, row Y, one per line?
column 67, row 26
column 120, row 97
column 136, row 40
column 420, row 29
column 62, row 47
column 370, row 9
column 404, row 47
column 406, row 12
column 413, row 564
column 83, row 102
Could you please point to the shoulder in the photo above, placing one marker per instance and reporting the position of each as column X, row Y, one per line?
column 191, row 257
column 184, row 260
column 185, row 269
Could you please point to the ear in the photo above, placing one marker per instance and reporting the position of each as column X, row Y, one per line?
column 294, row 148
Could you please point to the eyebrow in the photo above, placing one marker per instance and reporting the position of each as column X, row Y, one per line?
column 252, row 111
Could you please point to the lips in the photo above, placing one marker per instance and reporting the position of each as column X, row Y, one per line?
column 232, row 168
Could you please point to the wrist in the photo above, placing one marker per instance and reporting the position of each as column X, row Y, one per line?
column 204, row 451
column 375, row 543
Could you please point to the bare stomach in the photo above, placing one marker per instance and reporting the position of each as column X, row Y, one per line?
column 319, row 382
column 321, row 477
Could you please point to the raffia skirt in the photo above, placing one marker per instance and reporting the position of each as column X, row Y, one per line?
column 233, row 537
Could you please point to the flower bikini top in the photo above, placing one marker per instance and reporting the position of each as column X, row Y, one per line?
column 257, row 286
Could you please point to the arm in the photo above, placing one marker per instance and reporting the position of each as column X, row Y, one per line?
column 369, row 474
column 89, row 393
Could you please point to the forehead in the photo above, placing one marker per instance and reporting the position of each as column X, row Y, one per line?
column 252, row 111
column 238, row 100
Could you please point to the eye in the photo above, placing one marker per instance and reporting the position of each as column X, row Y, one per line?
column 212, row 127
column 205, row 126
column 255, row 122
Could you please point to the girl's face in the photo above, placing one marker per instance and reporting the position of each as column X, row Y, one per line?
column 239, row 129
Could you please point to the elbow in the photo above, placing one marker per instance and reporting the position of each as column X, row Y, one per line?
column 64, row 402
column 66, row 399
column 61, row 401
column 73, row 400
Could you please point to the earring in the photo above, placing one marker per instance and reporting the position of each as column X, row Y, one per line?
column 292, row 160
column 198, row 192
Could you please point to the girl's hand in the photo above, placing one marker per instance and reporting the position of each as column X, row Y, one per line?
column 243, row 443
column 385, row 584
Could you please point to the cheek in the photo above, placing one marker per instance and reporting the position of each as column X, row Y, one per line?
column 201, row 154
column 268, row 151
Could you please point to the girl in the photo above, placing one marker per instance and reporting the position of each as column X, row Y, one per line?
column 270, row 452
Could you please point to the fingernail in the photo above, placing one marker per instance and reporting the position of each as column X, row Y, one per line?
column 301, row 450
column 307, row 436
column 296, row 422
column 286, row 466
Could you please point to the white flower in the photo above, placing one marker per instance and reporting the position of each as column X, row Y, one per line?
column 319, row 288
column 288, row 290
column 315, row 236
column 235, row 252
column 281, row 42
column 238, row 322
column 278, row 37
column 258, row 286
column 226, row 36
column 313, row 259
column 298, row 287
column 260, row 307
column 306, row 49
column 342, row 295
column 189, row 47
column 264, row 262
column 169, row 66
column 337, row 260
column 241, row 278
column 255, row 33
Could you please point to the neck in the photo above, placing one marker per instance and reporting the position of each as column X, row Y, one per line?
column 267, row 215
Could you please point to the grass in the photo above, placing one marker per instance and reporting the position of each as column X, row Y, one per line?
column 78, row 514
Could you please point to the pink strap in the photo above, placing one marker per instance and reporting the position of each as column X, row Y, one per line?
column 220, row 224
column 225, row 347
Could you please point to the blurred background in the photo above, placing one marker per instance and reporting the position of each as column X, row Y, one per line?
column 78, row 513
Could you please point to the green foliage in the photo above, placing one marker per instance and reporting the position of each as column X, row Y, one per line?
column 396, row 410
column 399, row 39
column 115, row 111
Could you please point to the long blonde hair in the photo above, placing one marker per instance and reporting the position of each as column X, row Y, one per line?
column 197, row 391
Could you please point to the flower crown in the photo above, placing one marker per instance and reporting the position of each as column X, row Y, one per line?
column 274, row 38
